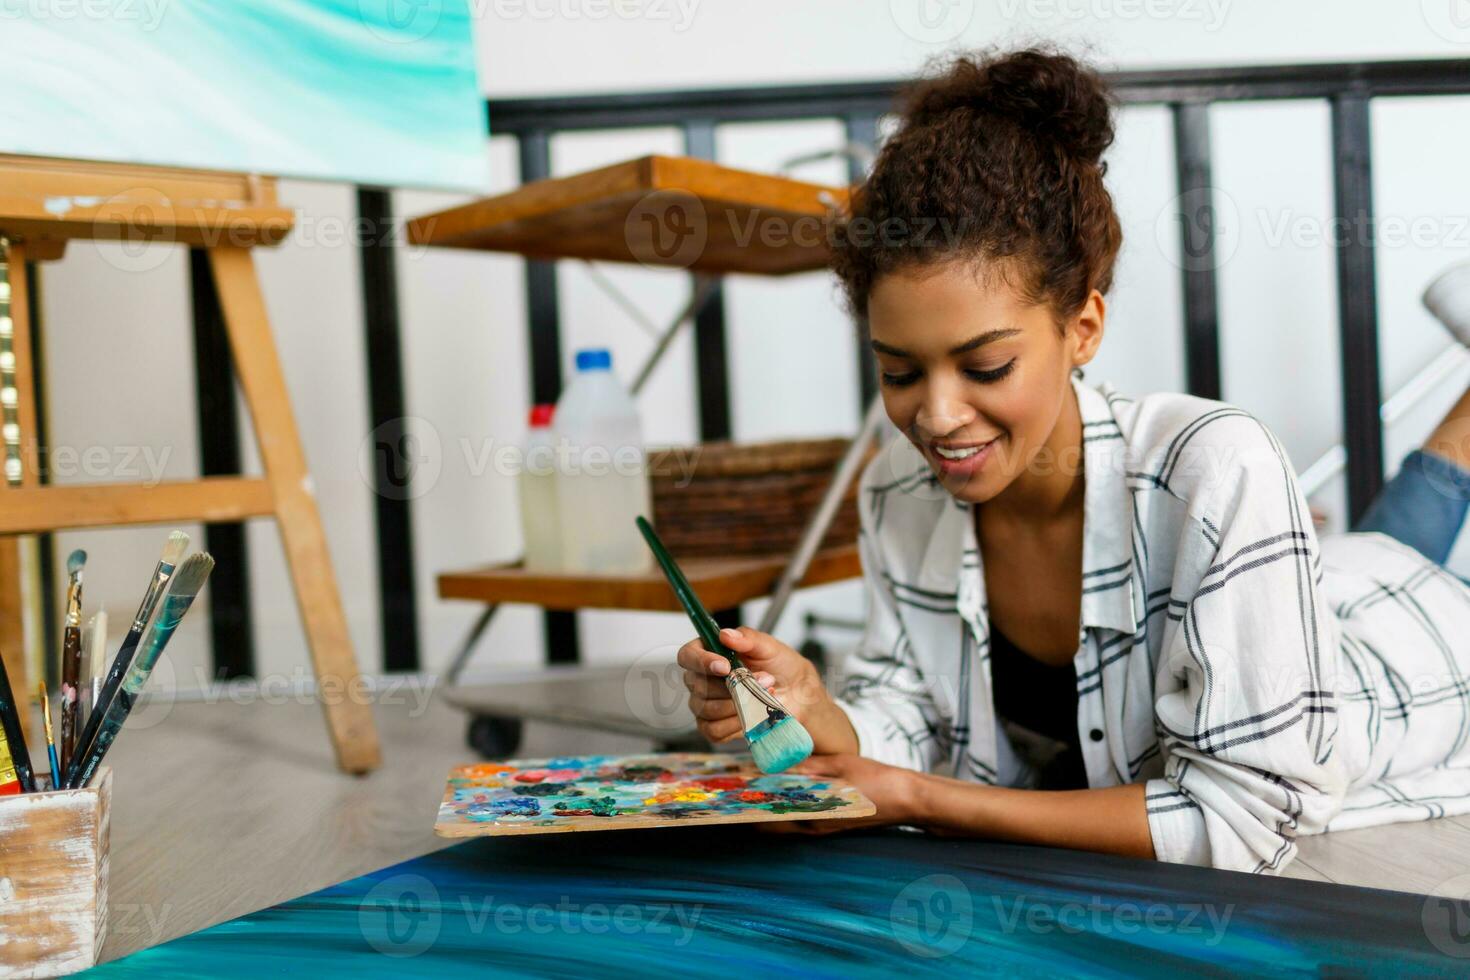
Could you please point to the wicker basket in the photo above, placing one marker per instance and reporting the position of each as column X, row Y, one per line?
column 723, row 498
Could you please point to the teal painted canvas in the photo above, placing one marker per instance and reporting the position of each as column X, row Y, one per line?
column 376, row 92
column 730, row 902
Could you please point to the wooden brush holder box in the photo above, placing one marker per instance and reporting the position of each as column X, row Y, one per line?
column 53, row 879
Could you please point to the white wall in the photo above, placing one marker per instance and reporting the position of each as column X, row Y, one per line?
column 791, row 350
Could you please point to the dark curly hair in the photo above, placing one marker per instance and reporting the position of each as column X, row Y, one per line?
column 998, row 156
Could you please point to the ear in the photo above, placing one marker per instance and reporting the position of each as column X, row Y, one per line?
column 1087, row 328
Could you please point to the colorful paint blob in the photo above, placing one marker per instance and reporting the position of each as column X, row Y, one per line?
column 622, row 792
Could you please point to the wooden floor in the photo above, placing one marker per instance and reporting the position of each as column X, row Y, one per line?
column 222, row 809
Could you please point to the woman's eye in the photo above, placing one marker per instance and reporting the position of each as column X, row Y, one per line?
column 900, row 380
column 993, row 374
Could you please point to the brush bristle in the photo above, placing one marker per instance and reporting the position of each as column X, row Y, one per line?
column 75, row 561
column 189, row 579
column 782, row 746
column 173, row 550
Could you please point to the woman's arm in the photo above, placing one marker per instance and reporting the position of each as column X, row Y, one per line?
column 1110, row 820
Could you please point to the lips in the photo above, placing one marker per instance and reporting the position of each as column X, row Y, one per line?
column 961, row 459
column 964, row 453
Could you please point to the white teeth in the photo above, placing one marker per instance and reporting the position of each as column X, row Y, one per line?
column 958, row 453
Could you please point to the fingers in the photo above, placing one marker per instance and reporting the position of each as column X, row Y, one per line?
column 705, row 687
column 753, row 646
column 710, row 700
column 705, row 674
column 715, row 687
column 722, row 729
column 695, row 658
column 711, row 709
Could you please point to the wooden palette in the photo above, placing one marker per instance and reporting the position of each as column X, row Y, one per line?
column 548, row 796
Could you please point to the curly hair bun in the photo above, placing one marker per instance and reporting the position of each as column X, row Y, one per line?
column 1047, row 93
column 1002, row 152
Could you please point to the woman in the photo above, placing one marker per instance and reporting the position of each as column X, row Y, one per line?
column 1096, row 622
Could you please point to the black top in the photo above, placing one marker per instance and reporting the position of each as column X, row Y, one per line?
column 1042, row 699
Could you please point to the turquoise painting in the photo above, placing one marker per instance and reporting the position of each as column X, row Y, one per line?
column 375, row 92
column 732, row 902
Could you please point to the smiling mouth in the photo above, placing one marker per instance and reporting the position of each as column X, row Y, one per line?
column 957, row 453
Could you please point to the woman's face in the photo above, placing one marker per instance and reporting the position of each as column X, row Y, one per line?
column 974, row 375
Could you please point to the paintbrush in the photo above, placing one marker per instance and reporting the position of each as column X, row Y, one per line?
column 182, row 589
column 173, row 550
column 71, row 655
column 777, row 740
column 50, row 737
column 94, row 661
column 14, row 737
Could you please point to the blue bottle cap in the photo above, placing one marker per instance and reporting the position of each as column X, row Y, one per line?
column 594, row 359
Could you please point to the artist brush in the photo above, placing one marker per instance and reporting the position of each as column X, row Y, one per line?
column 777, row 740
column 71, row 655
column 94, row 661
column 14, row 737
column 185, row 586
column 50, row 737
column 173, row 550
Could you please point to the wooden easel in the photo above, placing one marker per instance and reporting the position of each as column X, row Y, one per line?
column 46, row 203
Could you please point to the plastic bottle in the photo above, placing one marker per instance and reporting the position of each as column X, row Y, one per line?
column 602, row 478
column 540, row 517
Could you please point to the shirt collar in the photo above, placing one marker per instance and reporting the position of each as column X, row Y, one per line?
column 952, row 565
column 1108, row 599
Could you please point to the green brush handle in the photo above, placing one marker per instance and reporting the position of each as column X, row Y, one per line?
column 704, row 623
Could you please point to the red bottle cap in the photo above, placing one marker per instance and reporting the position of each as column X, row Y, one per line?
column 541, row 415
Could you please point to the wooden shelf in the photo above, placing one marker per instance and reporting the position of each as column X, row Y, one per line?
column 720, row 582
column 671, row 212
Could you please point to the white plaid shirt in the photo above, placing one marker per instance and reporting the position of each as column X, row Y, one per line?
column 1261, row 687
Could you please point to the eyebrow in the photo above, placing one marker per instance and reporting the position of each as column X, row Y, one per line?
column 975, row 342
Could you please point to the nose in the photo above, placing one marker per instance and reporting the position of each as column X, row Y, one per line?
column 942, row 412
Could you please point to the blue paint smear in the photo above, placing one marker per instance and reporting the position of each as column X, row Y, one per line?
column 380, row 92
column 742, row 904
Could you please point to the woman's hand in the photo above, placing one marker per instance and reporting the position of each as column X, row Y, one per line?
column 894, row 791
column 781, row 670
